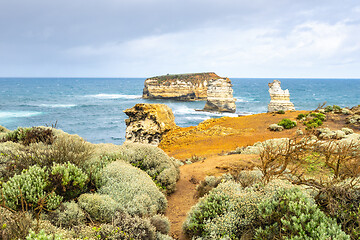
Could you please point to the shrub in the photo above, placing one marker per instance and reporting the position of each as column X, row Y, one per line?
column 154, row 161
column 209, row 183
column 276, row 127
column 161, row 223
column 70, row 148
column 69, row 214
column 3, row 129
column 30, row 188
column 329, row 109
column 30, row 135
column 69, row 180
column 132, row 188
column 42, row 236
column 281, row 112
column 301, row 116
column 100, row 207
column 287, row 123
column 290, row 214
column 125, row 226
column 14, row 225
column 342, row 201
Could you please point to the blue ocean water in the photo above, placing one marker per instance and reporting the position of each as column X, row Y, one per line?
column 93, row 107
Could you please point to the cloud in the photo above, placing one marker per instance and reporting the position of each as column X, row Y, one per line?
column 147, row 37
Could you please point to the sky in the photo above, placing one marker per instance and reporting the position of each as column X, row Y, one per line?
column 144, row 38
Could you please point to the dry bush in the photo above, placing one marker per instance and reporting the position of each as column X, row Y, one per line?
column 276, row 156
column 14, row 225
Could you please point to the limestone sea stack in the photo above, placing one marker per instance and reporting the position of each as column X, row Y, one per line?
column 147, row 123
column 220, row 96
column 183, row 87
column 280, row 99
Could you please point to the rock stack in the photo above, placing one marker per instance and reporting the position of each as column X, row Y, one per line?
column 147, row 123
column 220, row 96
column 280, row 99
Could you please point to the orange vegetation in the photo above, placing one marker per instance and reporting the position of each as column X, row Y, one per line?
column 219, row 135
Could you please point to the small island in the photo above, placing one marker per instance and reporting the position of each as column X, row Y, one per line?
column 216, row 90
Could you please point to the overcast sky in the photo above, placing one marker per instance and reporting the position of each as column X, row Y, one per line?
column 143, row 38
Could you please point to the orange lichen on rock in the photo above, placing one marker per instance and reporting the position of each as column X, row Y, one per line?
column 224, row 134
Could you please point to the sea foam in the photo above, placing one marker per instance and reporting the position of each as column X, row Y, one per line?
column 114, row 96
column 18, row 114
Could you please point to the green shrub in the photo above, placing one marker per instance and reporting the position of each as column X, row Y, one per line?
column 281, row 112
column 30, row 135
column 31, row 187
column 69, row 214
column 287, row 123
column 69, row 180
column 42, row 236
column 329, row 109
column 100, row 207
column 336, row 108
column 301, row 116
column 132, row 188
column 320, row 116
column 290, row 214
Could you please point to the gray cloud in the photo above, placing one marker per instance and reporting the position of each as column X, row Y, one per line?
column 147, row 37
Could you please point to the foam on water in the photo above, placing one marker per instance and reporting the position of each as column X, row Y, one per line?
column 58, row 105
column 18, row 114
column 114, row 96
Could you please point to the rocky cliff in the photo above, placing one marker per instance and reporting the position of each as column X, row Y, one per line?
column 280, row 99
column 147, row 123
column 220, row 96
column 184, row 87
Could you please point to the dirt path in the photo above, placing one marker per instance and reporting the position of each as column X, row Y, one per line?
column 180, row 202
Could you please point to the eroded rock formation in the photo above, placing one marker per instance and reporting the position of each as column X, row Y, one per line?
column 220, row 96
column 280, row 99
column 184, row 87
column 147, row 123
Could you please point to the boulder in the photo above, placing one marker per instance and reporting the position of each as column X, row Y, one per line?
column 147, row 123
column 280, row 99
column 220, row 96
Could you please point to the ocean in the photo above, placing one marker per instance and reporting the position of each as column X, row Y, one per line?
column 93, row 107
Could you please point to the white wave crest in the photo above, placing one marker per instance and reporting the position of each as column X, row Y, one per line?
column 114, row 96
column 18, row 114
column 58, row 105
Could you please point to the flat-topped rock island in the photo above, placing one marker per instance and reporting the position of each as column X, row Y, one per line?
column 216, row 90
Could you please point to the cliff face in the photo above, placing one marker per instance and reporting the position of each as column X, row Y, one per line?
column 148, row 122
column 220, row 96
column 280, row 99
column 184, row 87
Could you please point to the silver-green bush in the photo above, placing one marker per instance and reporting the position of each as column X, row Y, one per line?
column 229, row 210
column 125, row 226
column 99, row 207
column 155, row 162
column 132, row 189
column 68, row 215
